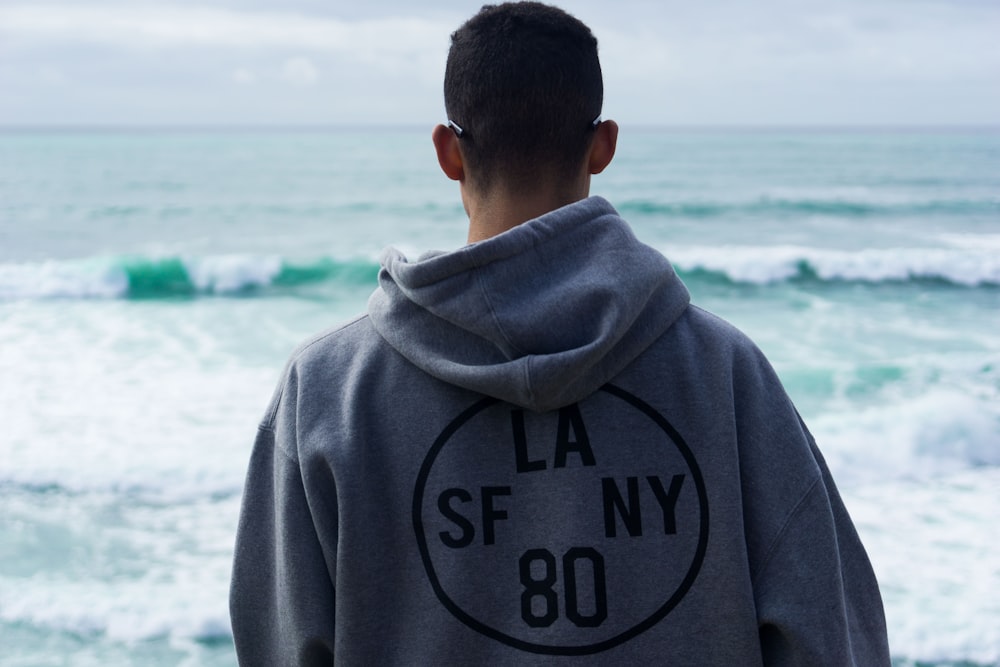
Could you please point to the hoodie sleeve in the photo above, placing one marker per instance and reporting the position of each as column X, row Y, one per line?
column 282, row 602
column 815, row 592
column 818, row 602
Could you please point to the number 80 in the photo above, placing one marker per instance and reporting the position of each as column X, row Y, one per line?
column 543, row 588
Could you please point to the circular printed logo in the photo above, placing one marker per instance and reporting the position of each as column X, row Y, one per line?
column 563, row 533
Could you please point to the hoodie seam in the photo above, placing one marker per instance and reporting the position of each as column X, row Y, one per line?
column 526, row 373
column 779, row 537
column 493, row 313
column 271, row 413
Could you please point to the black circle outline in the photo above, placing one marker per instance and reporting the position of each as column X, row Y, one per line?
column 586, row 649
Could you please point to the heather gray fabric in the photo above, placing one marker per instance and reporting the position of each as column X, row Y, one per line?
column 489, row 317
column 533, row 450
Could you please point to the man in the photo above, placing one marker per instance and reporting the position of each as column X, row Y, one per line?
column 533, row 449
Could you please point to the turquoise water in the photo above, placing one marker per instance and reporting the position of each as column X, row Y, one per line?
column 152, row 285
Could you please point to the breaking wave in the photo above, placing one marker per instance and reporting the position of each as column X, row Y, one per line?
column 138, row 277
column 142, row 277
column 763, row 265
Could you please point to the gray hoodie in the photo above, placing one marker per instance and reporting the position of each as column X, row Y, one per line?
column 533, row 450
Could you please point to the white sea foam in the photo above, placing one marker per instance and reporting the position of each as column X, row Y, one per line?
column 109, row 566
column 974, row 241
column 145, row 400
column 122, row 611
column 966, row 261
column 231, row 273
column 939, row 432
column 64, row 279
column 936, row 563
column 969, row 266
column 117, row 277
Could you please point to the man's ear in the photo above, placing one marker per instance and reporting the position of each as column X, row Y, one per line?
column 448, row 153
column 603, row 148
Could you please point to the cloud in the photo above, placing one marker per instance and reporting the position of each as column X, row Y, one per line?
column 858, row 41
column 274, row 65
column 166, row 26
column 300, row 72
column 244, row 76
column 665, row 61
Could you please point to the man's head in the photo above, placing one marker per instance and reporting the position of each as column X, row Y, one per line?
column 523, row 82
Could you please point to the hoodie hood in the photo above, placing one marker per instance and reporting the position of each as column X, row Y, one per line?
column 539, row 316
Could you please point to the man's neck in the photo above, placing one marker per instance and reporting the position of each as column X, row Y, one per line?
column 495, row 213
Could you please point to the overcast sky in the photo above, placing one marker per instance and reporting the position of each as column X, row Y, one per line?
column 328, row 62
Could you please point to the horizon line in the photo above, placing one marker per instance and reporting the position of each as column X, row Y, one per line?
column 112, row 128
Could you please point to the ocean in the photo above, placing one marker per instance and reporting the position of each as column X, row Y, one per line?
column 153, row 283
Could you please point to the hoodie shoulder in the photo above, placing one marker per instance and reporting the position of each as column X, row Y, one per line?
column 316, row 358
column 713, row 340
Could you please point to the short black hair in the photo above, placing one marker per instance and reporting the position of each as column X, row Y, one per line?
column 524, row 83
